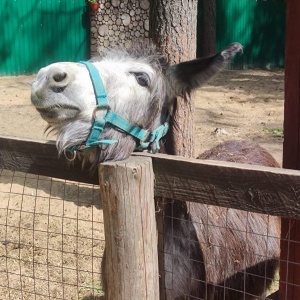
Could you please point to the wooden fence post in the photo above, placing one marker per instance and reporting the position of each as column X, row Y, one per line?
column 127, row 192
column 290, row 229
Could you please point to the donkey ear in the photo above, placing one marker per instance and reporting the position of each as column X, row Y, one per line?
column 187, row 76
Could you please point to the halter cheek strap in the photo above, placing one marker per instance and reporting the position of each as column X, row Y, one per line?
column 145, row 137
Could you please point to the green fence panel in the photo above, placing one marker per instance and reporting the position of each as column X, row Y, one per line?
column 34, row 33
column 259, row 25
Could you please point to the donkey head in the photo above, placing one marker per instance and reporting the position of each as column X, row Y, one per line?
column 140, row 89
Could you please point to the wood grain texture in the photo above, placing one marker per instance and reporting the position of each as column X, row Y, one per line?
column 41, row 158
column 290, row 229
column 208, row 27
column 173, row 27
column 127, row 192
column 253, row 188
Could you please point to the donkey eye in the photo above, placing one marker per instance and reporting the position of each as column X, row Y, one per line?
column 142, row 78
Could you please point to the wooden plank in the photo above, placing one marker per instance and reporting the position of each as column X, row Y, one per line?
column 253, row 188
column 290, row 229
column 39, row 157
column 159, row 205
column 130, row 229
column 291, row 143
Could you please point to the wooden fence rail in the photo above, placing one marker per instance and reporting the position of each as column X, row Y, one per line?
column 41, row 158
column 251, row 188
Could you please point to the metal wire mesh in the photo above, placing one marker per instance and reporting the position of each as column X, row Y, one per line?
column 51, row 238
column 52, row 243
column 233, row 270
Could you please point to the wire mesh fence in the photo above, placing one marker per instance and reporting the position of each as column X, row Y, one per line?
column 238, row 251
column 52, row 244
column 51, row 238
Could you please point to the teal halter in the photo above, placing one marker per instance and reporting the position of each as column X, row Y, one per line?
column 145, row 137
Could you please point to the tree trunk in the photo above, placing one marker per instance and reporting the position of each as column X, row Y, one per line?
column 208, row 28
column 173, row 27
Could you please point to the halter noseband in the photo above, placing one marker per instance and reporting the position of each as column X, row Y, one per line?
column 144, row 137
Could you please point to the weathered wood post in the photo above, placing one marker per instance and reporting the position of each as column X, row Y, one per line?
column 127, row 192
column 290, row 229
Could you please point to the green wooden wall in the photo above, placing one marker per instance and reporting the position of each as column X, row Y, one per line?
column 34, row 33
column 259, row 25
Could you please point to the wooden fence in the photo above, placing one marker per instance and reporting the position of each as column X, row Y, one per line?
column 128, row 189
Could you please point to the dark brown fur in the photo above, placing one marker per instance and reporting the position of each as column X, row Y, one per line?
column 208, row 244
column 244, row 152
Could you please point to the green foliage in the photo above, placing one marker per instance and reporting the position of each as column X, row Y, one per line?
column 274, row 131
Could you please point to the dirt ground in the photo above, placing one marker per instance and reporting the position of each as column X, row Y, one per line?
column 244, row 104
column 48, row 247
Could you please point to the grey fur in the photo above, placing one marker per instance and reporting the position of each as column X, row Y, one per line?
column 200, row 256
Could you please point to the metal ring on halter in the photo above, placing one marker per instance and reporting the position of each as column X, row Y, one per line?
column 68, row 158
column 100, row 107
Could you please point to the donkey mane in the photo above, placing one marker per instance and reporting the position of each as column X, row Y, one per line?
column 149, row 55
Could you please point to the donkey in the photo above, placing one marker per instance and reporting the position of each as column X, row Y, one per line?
column 210, row 252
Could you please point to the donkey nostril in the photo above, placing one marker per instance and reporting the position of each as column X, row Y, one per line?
column 58, row 77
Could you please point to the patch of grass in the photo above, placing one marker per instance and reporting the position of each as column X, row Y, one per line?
column 91, row 293
column 274, row 131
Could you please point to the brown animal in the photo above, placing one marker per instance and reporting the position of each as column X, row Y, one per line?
column 235, row 251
